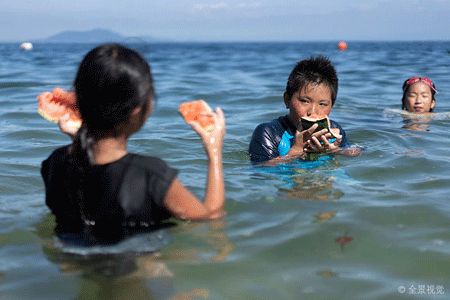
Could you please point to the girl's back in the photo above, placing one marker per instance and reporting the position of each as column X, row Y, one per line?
column 99, row 192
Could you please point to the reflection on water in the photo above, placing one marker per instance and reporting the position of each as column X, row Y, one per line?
column 312, row 186
column 417, row 124
column 417, row 121
column 116, row 276
column 133, row 275
column 311, row 179
column 325, row 216
column 211, row 233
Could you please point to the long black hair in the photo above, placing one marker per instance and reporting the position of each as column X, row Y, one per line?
column 111, row 81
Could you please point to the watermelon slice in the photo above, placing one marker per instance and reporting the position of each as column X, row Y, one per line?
column 53, row 106
column 197, row 111
column 322, row 121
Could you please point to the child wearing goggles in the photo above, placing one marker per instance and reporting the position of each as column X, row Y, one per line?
column 418, row 95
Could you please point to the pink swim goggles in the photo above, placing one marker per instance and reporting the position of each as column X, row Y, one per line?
column 416, row 79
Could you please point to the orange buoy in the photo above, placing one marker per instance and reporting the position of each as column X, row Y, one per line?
column 342, row 46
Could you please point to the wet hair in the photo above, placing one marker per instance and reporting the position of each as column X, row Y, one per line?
column 111, row 81
column 317, row 70
column 405, row 88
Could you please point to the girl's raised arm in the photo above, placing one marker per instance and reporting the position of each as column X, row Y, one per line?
column 183, row 204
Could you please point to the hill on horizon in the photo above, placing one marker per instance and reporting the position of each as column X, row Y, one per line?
column 90, row 36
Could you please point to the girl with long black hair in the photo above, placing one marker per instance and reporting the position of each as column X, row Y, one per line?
column 98, row 191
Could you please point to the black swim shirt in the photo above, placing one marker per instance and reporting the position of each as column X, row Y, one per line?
column 120, row 198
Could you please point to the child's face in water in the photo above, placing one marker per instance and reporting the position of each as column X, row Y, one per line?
column 418, row 98
column 312, row 101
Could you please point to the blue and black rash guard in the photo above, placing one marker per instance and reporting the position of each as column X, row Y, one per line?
column 275, row 138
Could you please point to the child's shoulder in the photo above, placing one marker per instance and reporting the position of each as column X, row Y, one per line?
column 334, row 124
column 145, row 160
column 59, row 154
column 279, row 123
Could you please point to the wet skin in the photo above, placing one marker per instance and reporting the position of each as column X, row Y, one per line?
column 418, row 98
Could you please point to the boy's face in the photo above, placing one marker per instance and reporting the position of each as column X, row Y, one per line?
column 312, row 101
column 419, row 98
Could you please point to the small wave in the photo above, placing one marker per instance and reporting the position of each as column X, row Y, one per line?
column 138, row 244
column 20, row 84
column 413, row 116
column 12, row 74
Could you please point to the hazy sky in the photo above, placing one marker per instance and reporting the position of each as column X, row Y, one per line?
column 242, row 20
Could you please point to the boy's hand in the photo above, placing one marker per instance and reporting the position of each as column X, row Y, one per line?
column 301, row 140
column 320, row 142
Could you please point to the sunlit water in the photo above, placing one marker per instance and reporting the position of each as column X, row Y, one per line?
column 280, row 238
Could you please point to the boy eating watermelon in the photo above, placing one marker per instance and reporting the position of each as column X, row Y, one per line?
column 310, row 95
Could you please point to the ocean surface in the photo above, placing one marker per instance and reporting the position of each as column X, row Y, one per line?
column 374, row 226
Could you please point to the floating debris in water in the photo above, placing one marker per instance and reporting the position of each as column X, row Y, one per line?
column 416, row 153
column 344, row 240
column 325, row 216
column 26, row 46
column 327, row 273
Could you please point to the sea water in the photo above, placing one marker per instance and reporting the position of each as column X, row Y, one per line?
column 280, row 239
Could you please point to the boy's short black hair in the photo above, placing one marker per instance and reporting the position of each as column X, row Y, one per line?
column 318, row 70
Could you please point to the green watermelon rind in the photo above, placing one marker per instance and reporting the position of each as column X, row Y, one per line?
column 210, row 127
column 324, row 123
column 74, row 122
column 48, row 118
column 71, row 123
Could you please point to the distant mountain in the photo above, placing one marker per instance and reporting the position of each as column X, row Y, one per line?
column 91, row 36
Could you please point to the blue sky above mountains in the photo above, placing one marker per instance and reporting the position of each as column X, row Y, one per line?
column 287, row 20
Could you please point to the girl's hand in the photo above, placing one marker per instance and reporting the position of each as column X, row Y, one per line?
column 66, row 127
column 320, row 142
column 180, row 202
column 212, row 140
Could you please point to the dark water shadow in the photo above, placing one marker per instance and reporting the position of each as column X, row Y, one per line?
column 131, row 274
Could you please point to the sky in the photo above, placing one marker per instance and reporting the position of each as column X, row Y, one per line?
column 242, row 20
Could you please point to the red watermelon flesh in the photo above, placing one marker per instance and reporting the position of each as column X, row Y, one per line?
column 323, row 121
column 197, row 111
column 53, row 106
